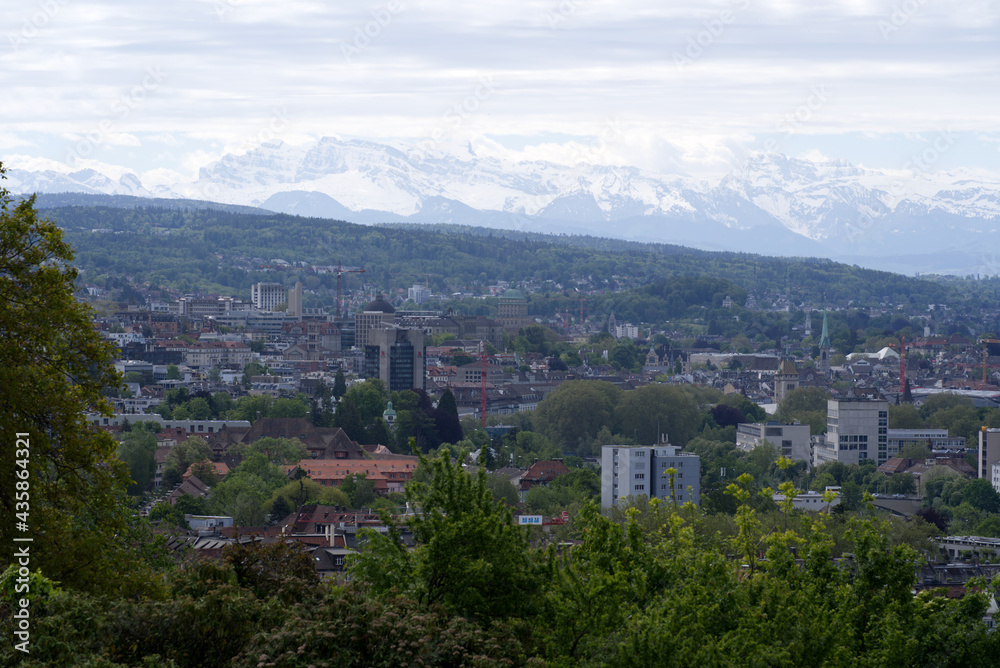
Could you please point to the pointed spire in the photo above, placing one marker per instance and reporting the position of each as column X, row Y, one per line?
column 824, row 339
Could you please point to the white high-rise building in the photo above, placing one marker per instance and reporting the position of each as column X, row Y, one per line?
column 265, row 296
column 856, row 429
column 634, row 470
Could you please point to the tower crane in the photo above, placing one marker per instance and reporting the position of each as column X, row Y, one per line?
column 340, row 271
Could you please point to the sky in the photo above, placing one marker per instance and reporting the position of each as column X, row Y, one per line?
column 674, row 87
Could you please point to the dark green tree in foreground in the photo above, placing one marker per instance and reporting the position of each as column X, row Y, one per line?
column 470, row 557
column 53, row 369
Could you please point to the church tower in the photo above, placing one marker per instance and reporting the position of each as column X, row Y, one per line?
column 824, row 348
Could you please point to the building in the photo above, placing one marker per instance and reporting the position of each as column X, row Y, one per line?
column 934, row 439
column 824, row 348
column 636, row 470
column 792, row 440
column 295, row 301
column 396, row 356
column 786, row 380
column 265, row 296
column 856, row 429
column 418, row 294
column 810, row 500
column 512, row 310
column 989, row 452
column 375, row 314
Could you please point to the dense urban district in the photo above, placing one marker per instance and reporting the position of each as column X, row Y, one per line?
column 250, row 439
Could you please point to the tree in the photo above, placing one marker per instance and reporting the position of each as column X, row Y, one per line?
column 449, row 428
column 138, row 451
column 980, row 493
column 572, row 414
column 54, row 368
column 649, row 411
column 173, row 373
column 470, row 557
column 181, row 456
column 905, row 416
column 369, row 397
column 339, row 385
column 348, row 419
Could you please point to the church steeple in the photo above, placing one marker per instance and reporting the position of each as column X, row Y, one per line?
column 824, row 348
column 824, row 339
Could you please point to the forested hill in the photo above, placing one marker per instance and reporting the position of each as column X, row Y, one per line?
column 222, row 250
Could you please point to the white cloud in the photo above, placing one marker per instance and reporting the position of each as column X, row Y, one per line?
column 229, row 63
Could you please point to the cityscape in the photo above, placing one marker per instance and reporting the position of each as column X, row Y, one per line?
column 565, row 334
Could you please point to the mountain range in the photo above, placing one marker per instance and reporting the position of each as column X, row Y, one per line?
column 943, row 222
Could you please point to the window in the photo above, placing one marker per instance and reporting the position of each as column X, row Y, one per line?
column 640, row 488
column 640, row 476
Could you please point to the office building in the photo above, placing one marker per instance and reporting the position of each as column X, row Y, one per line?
column 791, row 440
column 634, row 470
column 265, row 296
column 989, row 452
column 396, row 356
column 856, row 430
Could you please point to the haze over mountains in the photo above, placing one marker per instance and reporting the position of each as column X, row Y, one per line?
column 910, row 221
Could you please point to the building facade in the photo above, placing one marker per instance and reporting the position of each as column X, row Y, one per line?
column 375, row 314
column 265, row 296
column 396, row 356
column 512, row 310
column 792, row 440
column 989, row 452
column 636, row 470
column 856, row 429
column 934, row 439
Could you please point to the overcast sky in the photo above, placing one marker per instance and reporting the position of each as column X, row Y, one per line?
column 677, row 86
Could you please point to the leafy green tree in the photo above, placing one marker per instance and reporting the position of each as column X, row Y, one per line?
column 807, row 405
column 652, row 410
column 470, row 557
column 980, row 493
column 206, row 472
column 905, row 416
column 184, row 454
column 243, row 493
column 370, row 398
column 138, row 451
column 173, row 372
column 349, row 419
column 288, row 408
column 626, row 356
column 572, row 414
column 54, row 368
column 359, row 489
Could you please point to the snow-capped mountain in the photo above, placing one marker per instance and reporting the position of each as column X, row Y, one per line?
column 772, row 204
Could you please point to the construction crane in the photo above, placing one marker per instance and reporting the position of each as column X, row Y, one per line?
column 902, row 363
column 340, row 271
column 986, row 353
column 482, row 396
